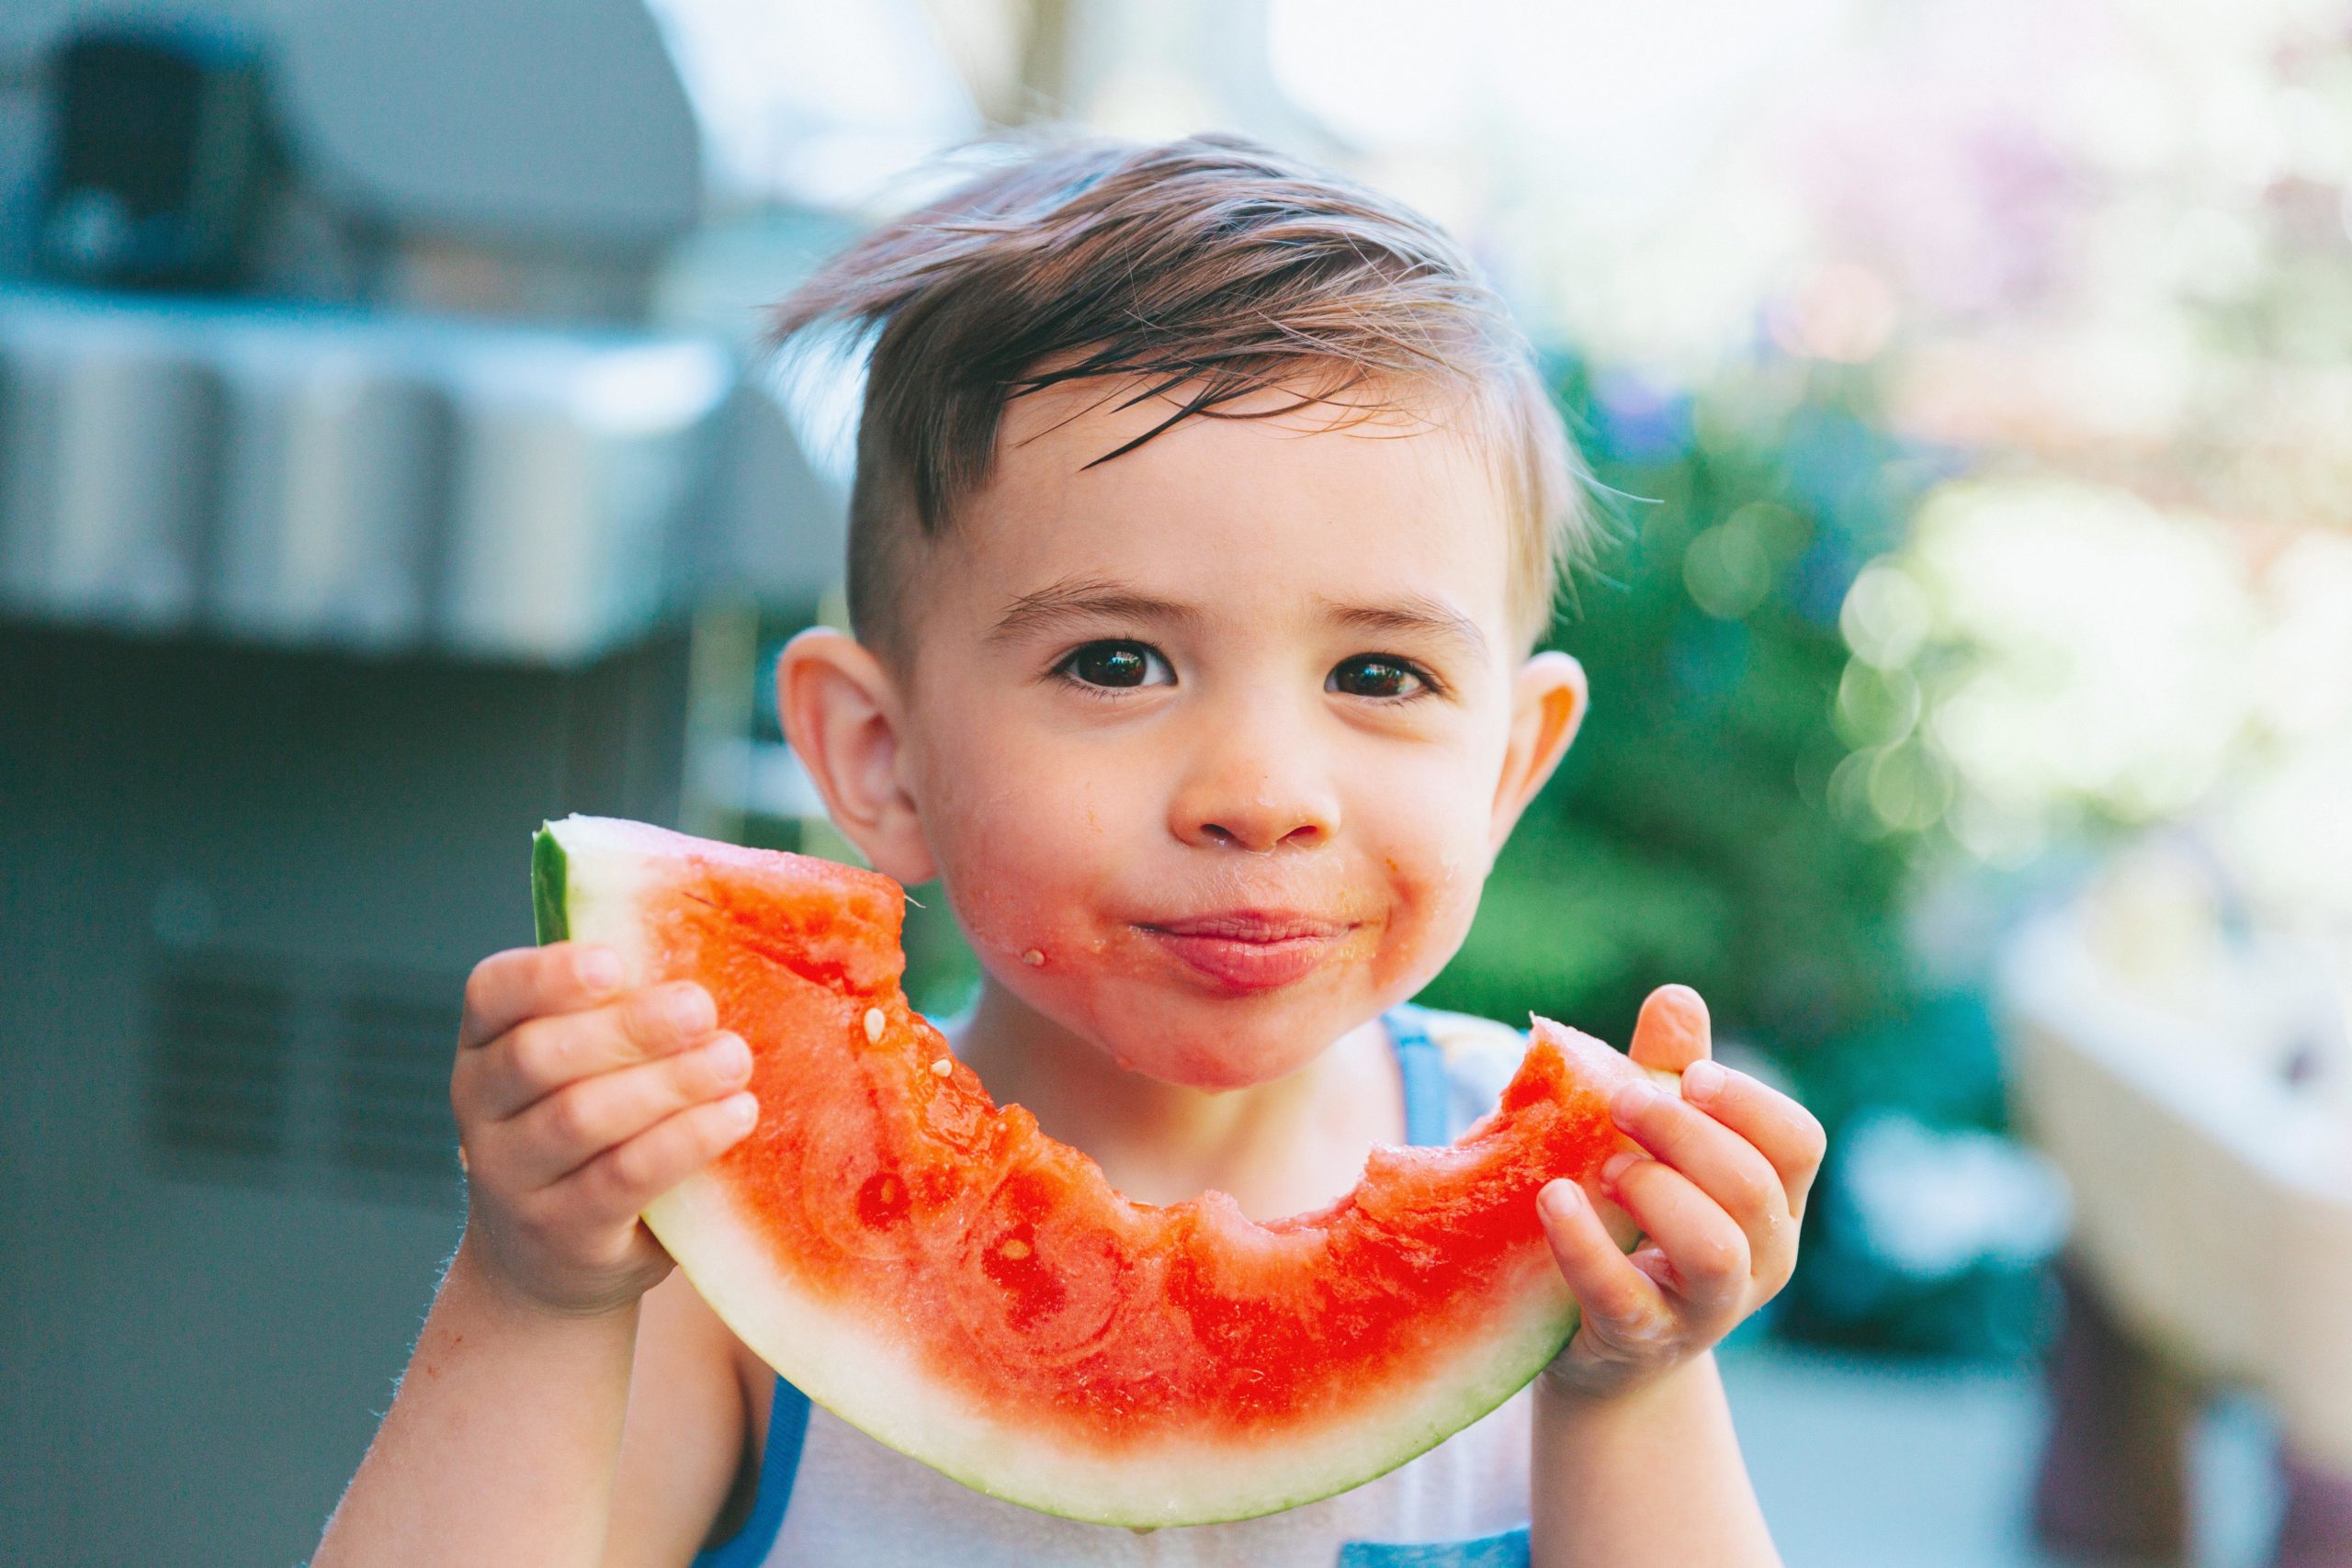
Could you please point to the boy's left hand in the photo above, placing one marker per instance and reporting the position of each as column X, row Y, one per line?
column 1717, row 1196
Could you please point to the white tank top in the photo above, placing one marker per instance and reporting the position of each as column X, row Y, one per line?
column 830, row 1497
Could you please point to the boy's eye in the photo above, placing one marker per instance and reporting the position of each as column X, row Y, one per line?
column 1375, row 675
column 1118, row 666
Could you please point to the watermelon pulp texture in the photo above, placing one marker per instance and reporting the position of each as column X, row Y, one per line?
column 937, row 1271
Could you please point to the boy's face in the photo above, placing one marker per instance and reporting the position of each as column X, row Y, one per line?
column 1212, row 744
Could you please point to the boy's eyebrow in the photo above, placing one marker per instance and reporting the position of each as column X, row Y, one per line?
column 1085, row 598
column 1415, row 614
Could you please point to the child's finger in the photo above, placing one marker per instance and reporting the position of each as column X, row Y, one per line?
column 620, row 1182
column 541, row 1056
column 1788, row 1135
column 1709, row 1252
column 1715, row 1157
column 1609, row 1290
column 528, row 982
column 576, row 1125
column 1672, row 1032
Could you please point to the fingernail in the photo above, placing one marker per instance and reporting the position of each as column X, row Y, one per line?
column 1633, row 1099
column 600, row 969
column 1560, row 1199
column 731, row 1057
column 742, row 1109
column 1702, row 1080
column 1619, row 1164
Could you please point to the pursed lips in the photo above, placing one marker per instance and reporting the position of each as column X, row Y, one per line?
column 1249, row 950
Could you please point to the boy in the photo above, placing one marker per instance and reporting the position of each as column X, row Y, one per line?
column 1207, row 510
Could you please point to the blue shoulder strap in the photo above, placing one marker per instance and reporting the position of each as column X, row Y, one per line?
column 787, row 1426
column 1427, row 1121
column 1422, row 1066
column 1508, row 1549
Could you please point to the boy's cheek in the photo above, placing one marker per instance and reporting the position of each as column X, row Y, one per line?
column 1434, row 847
column 1020, row 929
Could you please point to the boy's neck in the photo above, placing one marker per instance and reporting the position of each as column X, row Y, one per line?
column 1278, row 1148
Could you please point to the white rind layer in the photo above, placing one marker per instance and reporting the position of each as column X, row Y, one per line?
column 605, row 873
column 853, row 1366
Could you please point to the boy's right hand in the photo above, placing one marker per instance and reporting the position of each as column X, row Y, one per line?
column 578, row 1103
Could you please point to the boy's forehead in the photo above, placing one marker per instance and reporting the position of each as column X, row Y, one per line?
column 1329, row 501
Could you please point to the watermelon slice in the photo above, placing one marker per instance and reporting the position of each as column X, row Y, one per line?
column 937, row 1271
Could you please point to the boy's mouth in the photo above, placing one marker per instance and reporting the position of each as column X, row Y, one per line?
column 1249, row 950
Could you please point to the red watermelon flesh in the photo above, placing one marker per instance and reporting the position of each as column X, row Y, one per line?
column 938, row 1272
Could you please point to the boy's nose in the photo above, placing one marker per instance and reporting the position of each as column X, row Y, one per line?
column 1255, row 796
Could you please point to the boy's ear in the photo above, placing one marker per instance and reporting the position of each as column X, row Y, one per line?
column 1547, row 705
column 841, row 715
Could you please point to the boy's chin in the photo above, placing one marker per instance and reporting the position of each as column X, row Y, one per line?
column 1220, row 1074
column 1216, row 1047
column 1184, row 1035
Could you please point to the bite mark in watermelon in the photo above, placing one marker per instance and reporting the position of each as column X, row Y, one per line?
column 937, row 1271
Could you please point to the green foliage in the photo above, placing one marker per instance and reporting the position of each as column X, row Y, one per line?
column 1689, row 836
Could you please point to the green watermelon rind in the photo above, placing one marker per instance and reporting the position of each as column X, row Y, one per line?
column 581, row 889
column 548, row 918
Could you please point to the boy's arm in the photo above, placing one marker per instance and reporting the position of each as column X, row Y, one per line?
column 592, row 1454
column 1634, row 1461
column 1650, row 1475
column 501, row 1445
column 576, row 1104
column 690, row 1428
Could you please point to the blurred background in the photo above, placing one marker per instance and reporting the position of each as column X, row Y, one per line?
column 386, row 463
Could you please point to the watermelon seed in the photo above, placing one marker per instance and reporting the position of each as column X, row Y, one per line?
column 1033, row 958
column 873, row 1021
column 944, row 1068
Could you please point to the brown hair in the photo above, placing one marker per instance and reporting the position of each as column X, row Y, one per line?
column 1212, row 267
